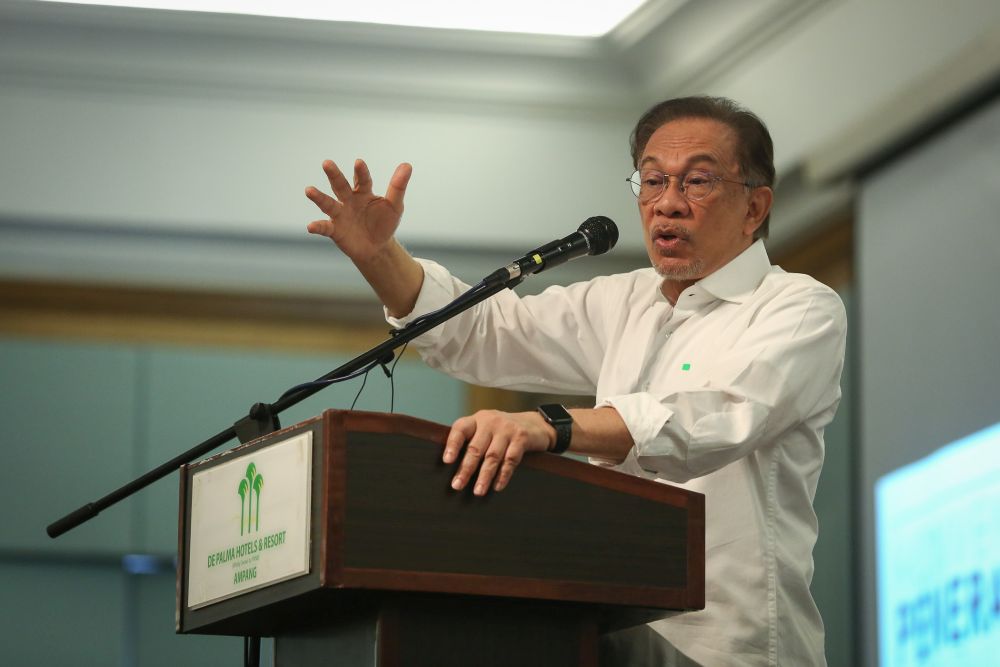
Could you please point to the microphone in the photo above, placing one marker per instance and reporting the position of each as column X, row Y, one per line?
column 595, row 236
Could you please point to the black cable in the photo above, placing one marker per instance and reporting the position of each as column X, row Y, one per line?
column 363, row 382
column 392, row 379
column 329, row 381
column 468, row 295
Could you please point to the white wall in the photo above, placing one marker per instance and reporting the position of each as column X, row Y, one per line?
column 185, row 191
column 209, row 164
column 852, row 62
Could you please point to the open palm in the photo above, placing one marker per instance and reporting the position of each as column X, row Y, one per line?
column 360, row 222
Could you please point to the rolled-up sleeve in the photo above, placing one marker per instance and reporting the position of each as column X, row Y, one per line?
column 782, row 372
column 438, row 290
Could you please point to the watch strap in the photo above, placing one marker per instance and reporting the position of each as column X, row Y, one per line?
column 559, row 418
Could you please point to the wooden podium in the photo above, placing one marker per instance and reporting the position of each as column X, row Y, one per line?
column 405, row 571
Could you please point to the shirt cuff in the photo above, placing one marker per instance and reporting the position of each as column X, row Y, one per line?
column 437, row 291
column 629, row 466
column 645, row 417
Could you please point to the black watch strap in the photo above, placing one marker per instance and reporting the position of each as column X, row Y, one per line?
column 562, row 422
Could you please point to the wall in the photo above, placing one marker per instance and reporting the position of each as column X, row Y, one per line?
column 81, row 420
column 929, row 266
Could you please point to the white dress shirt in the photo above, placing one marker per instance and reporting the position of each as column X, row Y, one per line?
column 725, row 393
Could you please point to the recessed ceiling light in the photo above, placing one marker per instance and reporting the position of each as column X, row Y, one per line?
column 550, row 17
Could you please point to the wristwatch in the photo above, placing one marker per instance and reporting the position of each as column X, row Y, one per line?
column 562, row 422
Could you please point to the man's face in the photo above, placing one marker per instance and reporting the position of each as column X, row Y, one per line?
column 687, row 240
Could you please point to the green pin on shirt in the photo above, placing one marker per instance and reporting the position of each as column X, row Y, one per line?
column 685, row 367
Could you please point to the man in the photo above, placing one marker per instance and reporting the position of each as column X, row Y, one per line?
column 712, row 370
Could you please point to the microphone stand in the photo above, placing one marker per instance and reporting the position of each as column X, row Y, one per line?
column 263, row 417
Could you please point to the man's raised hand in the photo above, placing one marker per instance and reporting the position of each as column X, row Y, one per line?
column 360, row 222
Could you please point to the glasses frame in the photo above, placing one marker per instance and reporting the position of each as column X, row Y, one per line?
column 636, row 185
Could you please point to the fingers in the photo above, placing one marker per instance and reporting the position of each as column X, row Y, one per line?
column 477, row 450
column 362, row 177
column 510, row 462
column 338, row 182
column 324, row 202
column 397, row 185
column 495, row 444
column 362, row 185
column 461, row 430
column 321, row 228
column 502, row 460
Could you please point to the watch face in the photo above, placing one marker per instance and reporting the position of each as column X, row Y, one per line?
column 556, row 413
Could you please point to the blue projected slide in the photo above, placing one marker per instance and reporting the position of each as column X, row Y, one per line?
column 938, row 554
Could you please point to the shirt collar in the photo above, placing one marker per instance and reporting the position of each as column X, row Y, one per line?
column 734, row 282
column 738, row 279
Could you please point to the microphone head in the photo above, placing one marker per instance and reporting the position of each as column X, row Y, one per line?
column 601, row 232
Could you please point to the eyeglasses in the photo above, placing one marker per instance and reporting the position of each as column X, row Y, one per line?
column 649, row 184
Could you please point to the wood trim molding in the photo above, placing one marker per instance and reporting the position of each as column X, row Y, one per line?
column 490, row 398
column 148, row 315
column 827, row 255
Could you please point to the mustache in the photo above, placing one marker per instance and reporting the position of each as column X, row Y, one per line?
column 670, row 229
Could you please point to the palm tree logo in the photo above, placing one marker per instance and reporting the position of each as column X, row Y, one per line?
column 258, row 484
column 250, row 485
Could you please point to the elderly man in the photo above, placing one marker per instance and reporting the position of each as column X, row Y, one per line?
column 713, row 370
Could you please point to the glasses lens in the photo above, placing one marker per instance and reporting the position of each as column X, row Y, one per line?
column 698, row 184
column 633, row 181
column 650, row 184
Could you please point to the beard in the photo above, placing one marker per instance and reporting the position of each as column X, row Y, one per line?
column 692, row 270
column 668, row 266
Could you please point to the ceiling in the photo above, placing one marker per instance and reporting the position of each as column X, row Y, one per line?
column 543, row 17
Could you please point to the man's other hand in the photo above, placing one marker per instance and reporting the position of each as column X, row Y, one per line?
column 494, row 442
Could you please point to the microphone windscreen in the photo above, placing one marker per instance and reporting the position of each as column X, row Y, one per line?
column 602, row 233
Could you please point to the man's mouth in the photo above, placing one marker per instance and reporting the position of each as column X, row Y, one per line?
column 668, row 238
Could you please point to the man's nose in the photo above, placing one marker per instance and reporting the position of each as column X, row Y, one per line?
column 671, row 203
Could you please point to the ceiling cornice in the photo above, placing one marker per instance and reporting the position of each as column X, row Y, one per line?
column 253, row 27
column 171, row 52
column 698, row 41
column 647, row 19
column 665, row 48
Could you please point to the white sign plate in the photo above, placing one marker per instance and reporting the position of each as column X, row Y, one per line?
column 250, row 521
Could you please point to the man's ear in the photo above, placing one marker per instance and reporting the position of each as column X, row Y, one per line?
column 758, row 206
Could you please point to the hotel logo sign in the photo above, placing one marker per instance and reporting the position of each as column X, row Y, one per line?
column 254, row 542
